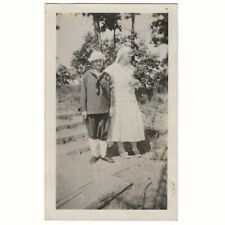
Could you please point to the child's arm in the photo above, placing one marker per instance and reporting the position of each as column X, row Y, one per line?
column 111, row 96
column 83, row 97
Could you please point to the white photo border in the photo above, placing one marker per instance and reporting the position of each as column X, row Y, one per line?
column 51, row 213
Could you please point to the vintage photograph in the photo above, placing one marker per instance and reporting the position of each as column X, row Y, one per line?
column 111, row 109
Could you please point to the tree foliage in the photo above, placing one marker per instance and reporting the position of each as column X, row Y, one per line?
column 159, row 29
column 111, row 22
column 133, row 34
column 150, row 69
column 63, row 76
column 102, row 22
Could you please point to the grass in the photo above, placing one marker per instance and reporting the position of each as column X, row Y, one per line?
column 68, row 99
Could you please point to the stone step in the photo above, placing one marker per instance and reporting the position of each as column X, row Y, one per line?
column 73, row 148
column 73, row 118
column 67, row 115
column 73, row 122
column 74, row 134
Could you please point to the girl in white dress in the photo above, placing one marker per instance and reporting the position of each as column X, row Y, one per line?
column 126, row 123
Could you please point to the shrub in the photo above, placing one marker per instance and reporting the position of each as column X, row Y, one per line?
column 63, row 76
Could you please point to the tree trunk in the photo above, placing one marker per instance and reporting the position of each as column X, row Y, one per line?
column 114, row 37
column 99, row 36
column 132, row 27
column 132, row 21
column 97, row 32
column 95, row 29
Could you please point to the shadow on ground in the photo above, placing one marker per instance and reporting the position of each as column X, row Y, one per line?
column 143, row 146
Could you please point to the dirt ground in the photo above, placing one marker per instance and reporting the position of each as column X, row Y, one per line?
column 133, row 183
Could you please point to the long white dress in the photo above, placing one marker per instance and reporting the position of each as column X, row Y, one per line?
column 126, row 124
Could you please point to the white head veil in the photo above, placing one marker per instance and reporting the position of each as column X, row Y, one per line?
column 114, row 68
column 123, row 50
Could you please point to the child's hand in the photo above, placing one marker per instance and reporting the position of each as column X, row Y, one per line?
column 111, row 111
column 134, row 83
column 84, row 114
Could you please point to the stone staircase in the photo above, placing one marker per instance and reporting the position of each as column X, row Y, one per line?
column 71, row 134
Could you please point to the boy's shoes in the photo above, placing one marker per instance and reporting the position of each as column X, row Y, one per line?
column 107, row 159
column 93, row 160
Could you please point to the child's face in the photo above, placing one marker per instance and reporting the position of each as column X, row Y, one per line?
column 97, row 64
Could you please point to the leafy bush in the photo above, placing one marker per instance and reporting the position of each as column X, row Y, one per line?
column 63, row 76
column 150, row 71
column 159, row 29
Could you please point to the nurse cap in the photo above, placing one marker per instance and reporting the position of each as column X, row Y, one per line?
column 96, row 55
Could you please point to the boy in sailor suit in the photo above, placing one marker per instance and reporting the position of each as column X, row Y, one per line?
column 96, row 102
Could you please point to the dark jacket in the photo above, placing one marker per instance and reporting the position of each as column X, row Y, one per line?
column 96, row 93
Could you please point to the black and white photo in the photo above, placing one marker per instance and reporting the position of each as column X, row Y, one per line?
column 111, row 95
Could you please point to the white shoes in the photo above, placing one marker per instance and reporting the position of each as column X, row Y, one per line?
column 125, row 155
column 137, row 153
